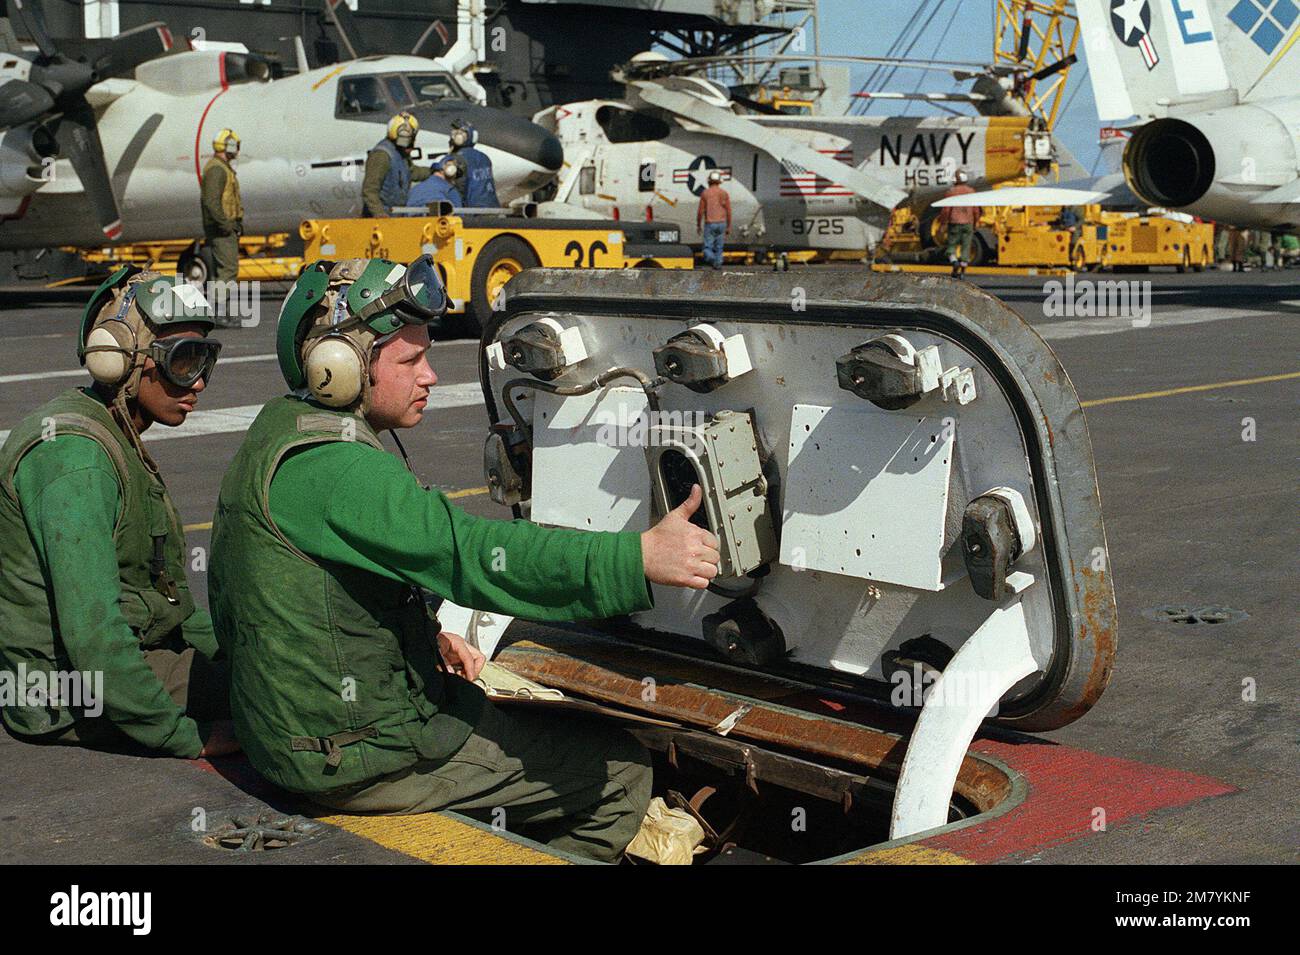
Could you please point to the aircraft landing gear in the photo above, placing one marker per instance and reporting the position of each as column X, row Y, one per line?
column 196, row 266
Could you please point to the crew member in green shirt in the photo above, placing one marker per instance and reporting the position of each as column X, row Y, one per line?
column 342, row 686
column 100, row 641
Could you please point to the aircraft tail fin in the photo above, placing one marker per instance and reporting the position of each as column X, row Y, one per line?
column 1147, row 57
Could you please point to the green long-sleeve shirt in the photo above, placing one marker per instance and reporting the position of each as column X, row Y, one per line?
column 71, row 501
column 348, row 503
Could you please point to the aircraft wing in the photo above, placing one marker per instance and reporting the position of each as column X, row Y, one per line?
column 781, row 148
column 1110, row 191
column 1285, row 195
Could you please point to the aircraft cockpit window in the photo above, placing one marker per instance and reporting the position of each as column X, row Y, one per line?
column 627, row 126
column 362, row 94
column 431, row 87
column 397, row 91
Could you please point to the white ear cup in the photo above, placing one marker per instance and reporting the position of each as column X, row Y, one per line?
column 334, row 369
column 108, row 367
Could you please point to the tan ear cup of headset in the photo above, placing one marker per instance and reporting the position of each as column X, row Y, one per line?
column 335, row 370
column 109, row 367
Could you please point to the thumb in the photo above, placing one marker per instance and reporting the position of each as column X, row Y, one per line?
column 692, row 503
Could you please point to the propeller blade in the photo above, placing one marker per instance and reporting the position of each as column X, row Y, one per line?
column 34, row 23
column 21, row 102
column 124, row 52
column 78, row 140
column 1054, row 68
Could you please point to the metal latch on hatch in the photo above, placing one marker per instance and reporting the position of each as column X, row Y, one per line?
column 893, row 374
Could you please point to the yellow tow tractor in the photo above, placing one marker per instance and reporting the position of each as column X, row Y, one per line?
column 478, row 254
column 1105, row 240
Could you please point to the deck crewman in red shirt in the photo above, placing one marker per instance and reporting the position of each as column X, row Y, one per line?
column 960, row 221
column 714, row 219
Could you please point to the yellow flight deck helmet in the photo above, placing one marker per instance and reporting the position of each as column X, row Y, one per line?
column 402, row 129
column 226, row 142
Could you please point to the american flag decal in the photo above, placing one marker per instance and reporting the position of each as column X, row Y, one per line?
column 800, row 183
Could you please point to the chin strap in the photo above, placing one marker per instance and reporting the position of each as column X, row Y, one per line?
column 123, row 417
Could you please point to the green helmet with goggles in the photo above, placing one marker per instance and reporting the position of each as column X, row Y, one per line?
column 127, row 320
column 337, row 313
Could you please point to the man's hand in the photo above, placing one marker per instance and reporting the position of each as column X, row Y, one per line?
column 676, row 552
column 218, row 738
column 460, row 657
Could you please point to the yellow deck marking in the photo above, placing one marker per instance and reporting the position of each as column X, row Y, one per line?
column 452, row 495
column 908, row 855
column 468, row 492
column 441, row 840
column 1190, row 388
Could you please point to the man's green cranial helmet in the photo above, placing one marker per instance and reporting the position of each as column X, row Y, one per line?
column 127, row 314
column 343, row 310
column 160, row 300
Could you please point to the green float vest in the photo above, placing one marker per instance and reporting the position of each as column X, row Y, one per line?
column 335, row 673
column 148, row 538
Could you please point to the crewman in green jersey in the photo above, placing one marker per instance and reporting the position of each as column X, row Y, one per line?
column 326, row 549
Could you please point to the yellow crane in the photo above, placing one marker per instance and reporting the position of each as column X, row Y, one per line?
column 1034, row 48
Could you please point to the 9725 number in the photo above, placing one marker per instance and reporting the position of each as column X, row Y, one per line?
column 817, row 226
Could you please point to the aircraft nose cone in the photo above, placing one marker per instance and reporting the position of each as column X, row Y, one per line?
column 512, row 134
column 550, row 154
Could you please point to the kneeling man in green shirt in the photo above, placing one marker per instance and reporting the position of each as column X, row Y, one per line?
column 342, row 686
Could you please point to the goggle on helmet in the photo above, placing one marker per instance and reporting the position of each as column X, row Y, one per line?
column 375, row 305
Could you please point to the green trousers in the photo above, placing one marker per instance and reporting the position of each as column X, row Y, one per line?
column 199, row 686
column 225, row 254
column 960, row 236
column 576, row 784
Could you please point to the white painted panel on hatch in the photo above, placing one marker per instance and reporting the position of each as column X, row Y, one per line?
column 867, row 493
column 589, row 461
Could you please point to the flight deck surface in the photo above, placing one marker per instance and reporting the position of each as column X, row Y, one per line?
column 1195, row 436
